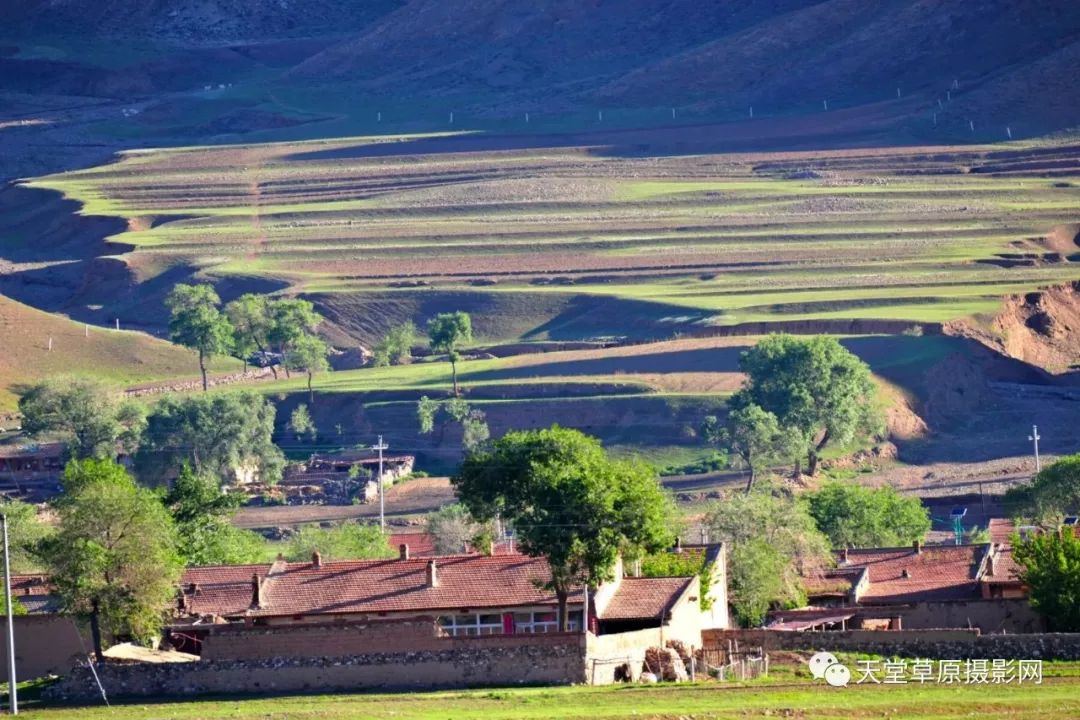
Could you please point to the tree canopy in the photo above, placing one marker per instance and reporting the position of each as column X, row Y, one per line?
column 852, row 515
column 446, row 333
column 1051, row 495
column 454, row 528
column 568, row 502
column 196, row 321
column 813, row 386
column 753, row 436
column 89, row 417
column 26, row 531
column 767, row 528
column 395, row 347
column 474, row 427
column 219, row 434
column 308, row 353
column 114, row 557
column 347, row 541
column 250, row 320
column 201, row 512
column 1051, row 569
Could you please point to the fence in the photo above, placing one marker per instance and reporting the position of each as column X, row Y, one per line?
column 734, row 662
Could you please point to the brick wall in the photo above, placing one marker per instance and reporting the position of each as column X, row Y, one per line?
column 946, row 644
column 322, row 640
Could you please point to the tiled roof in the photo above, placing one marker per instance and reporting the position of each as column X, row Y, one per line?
column 420, row 544
column 1006, row 569
column 31, row 450
column 371, row 586
column 1001, row 529
column 645, row 598
column 35, row 594
column 835, row 581
column 938, row 572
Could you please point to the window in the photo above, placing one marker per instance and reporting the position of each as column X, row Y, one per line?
column 543, row 622
column 472, row 624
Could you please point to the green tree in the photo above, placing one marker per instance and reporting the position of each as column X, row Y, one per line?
column 452, row 528
column 301, row 424
column 1050, row 565
column 197, row 322
column 1051, row 495
column 754, row 437
column 770, row 516
column 114, row 558
column 219, row 434
column 851, row 515
column 569, row 503
column 202, row 512
column 290, row 320
column 474, row 427
column 249, row 315
column 675, row 564
column 91, row 419
column 395, row 347
column 348, row 541
column 446, row 333
column 813, row 386
column 308, row 353
column 26, row 531
column 756, row 572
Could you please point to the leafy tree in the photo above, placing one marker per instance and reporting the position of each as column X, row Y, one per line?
column 774, row 518
column 452, row 528
column 851, row 515
column 1051, row 569
column 290, row 320
column 249, row 315
column 1051, row 495
column 26, row 531
column 348, row 541
column 446, row 333
column 300, row 422
column 217, row 434
column 114, row 558
column 756, row 572
column 671, row 564
column 473, row 422
column 813, row 386
column 569, row 503
column 197, row 322
column 753, row 436
column 395, row 347
column 308, row 353
column 92, row 420
column 201, row 512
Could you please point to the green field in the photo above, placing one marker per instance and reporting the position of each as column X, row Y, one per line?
column 1055, row 698
column 912, row 235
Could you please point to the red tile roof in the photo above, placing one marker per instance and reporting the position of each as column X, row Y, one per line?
column 420, row 544
column 29, row 585
column 645, row 598
column 1006, row 569
column 1001, row 529
column 370, row 586
column 938, row 572
column 835, row 581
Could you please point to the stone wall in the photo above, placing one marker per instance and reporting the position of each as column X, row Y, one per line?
column 324, row 640
column 947, row 644
column 458, row 662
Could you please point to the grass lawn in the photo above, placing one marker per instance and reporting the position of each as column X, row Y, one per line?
column 1057, row 697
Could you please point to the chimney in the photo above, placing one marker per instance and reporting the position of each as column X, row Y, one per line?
column 906, row 574
column 917, row 547
column 403, row 551
column 844, row 555
column 432, row 574
column 316, row 559
column 678, row 544
column 256, row 591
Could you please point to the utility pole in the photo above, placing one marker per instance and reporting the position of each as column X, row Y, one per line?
column 1033, row 437
column 382, row 505
column 12, row 689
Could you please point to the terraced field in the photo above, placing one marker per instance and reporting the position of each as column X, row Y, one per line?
column 912, row 235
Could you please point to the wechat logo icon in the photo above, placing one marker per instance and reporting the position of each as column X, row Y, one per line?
column 824, row 665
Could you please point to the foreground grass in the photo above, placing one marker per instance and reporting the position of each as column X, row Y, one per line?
column 1057, row 698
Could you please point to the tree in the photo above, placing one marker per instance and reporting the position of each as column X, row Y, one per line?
column 453, row 528
column 767, row 516
column 220, row 434
column 308, row 353
column 348, row 541
column 197, row 322
column 26, row 531
column 569, row 503
column 677, row 564
column 300, row 422
column 395, row 347
column 201, row 512
column 1050, row 565
column 851, row 515
column 814, row 386
column 288, row 322
column 753, row 436
column 114, row 558
column 92, row 420
column 250, row 320
column 1051, row 495
column 446, row 333
column 474, row 427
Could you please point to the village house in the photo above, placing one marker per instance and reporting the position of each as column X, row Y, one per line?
column 916, row 587
column 342, row 477
column 31, row 468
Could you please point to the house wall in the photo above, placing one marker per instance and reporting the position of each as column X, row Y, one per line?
column 991, row 616
column 685, row 621
column 607, row 653
column 717, row 615
column 44, row 644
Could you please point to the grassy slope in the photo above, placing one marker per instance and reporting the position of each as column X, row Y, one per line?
column 121, row 357
column 1056, row 698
